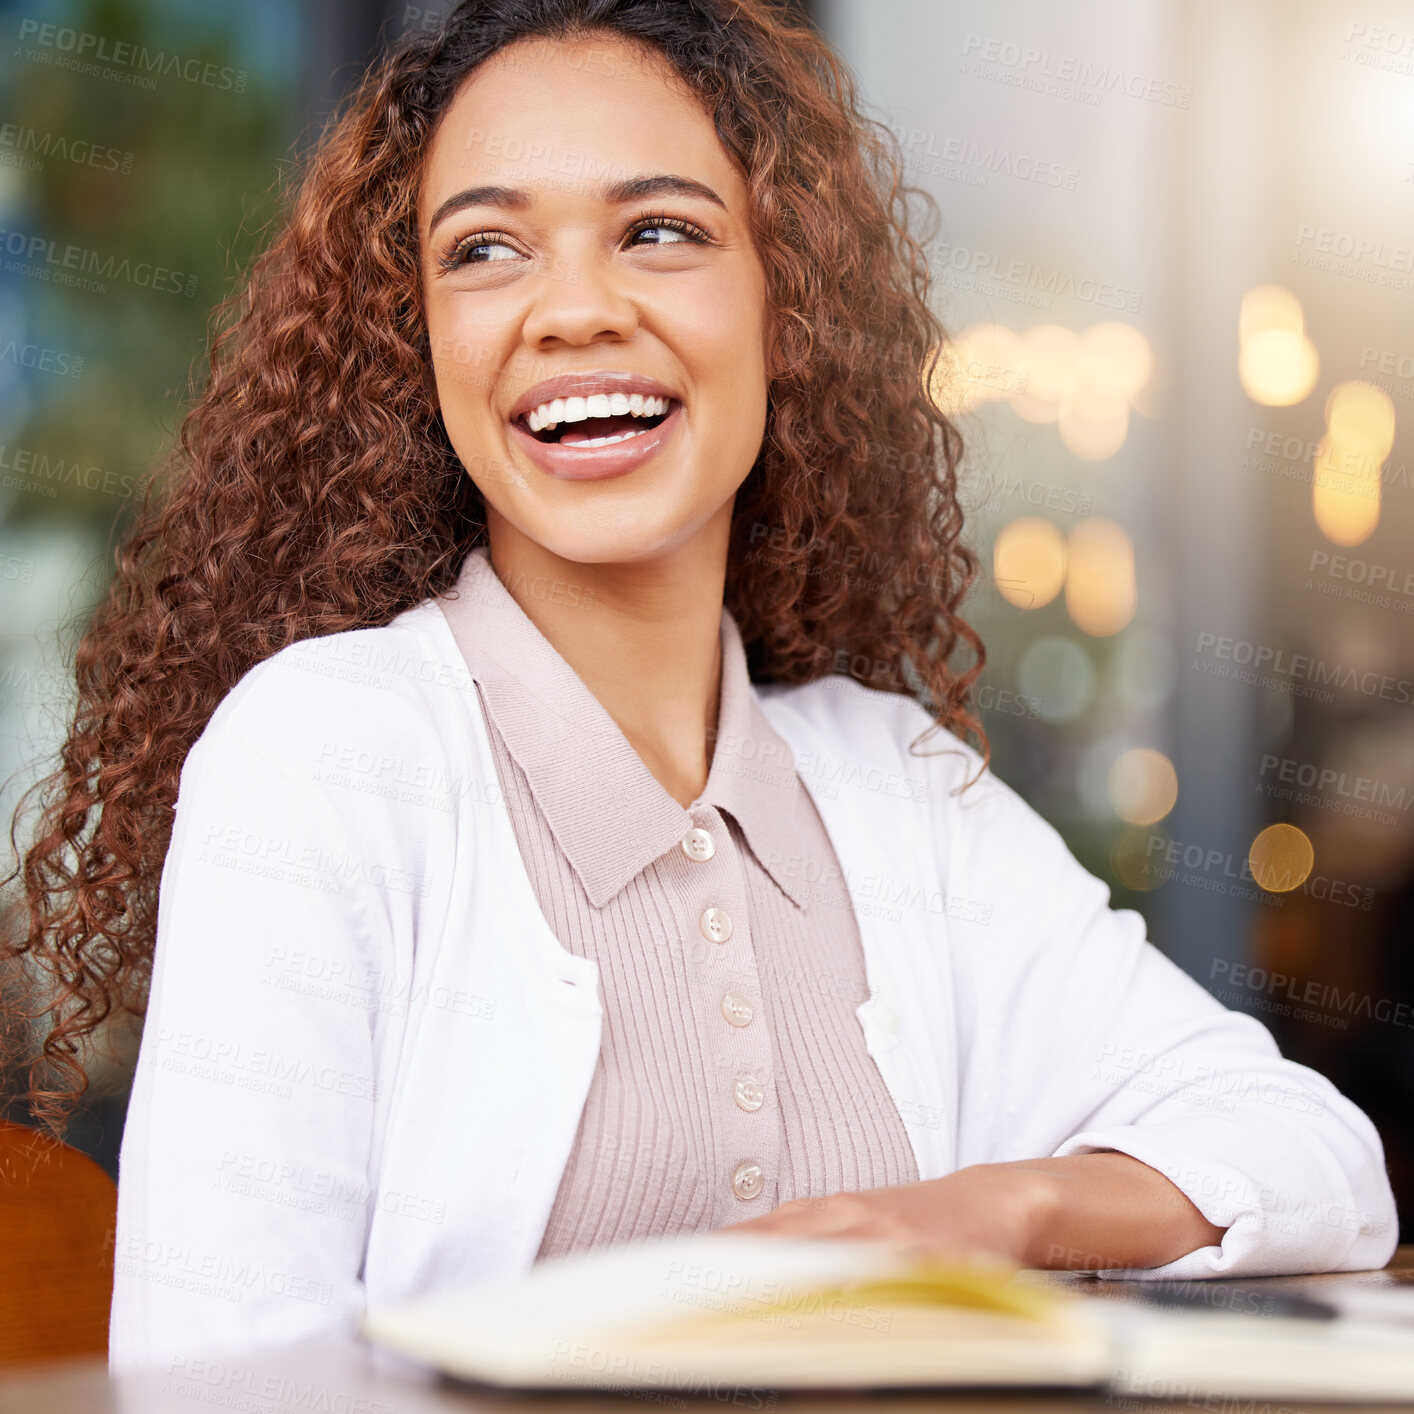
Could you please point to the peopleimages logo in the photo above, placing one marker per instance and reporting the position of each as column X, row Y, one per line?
column 1080, row 74
column 1394, row 579
column 1312, row 993
column 28, row 147
column 1275, row 667
column 86, row 52
column 37, row 255
column 1221, row 872
column 1305, row 783
column 958, row 263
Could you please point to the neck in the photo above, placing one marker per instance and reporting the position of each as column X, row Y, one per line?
column 644, row 637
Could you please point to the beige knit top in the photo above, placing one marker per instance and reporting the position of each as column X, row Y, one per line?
column 732, row 1074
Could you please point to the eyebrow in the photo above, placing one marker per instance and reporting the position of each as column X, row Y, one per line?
column 615, row 193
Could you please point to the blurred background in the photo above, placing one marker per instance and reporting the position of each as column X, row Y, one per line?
column 1176, row 257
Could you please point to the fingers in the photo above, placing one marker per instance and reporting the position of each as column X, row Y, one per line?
column 839, row 1215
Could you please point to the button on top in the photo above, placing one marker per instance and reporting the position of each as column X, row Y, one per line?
column 716, row 924
column 699, row 845
column 737, row 1009
column 748, row 1180
column 748, row 1093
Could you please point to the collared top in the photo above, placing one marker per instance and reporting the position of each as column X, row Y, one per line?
column 366, row 1055
column 733, row 1074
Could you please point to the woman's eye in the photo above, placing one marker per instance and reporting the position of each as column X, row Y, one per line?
column 469, row 251
column 662, row 235
column 667, row 232
column 483, row 249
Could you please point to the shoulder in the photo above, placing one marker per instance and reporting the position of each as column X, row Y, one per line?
column 841, row 717
column 395, row 687
column 890, row 745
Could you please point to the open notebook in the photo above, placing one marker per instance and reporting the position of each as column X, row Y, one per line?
column 699, row 1312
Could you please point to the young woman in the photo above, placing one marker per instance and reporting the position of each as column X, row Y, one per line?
column 519, row 697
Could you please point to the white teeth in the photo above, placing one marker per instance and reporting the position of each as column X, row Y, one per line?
column 559, row 410
column 547, row 415
column 608, row 441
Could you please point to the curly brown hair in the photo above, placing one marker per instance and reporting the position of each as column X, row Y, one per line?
column 313, row 488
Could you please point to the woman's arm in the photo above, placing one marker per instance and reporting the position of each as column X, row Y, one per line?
column 243, row 1182
column 1109, row 1210
column 1084, row 1212
column 1073, row 1038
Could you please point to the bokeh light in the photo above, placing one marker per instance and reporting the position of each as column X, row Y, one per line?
column 981, row 365
column 1269, row 307
column 1143, row 671
column 1346, row 485
column 1092, row 420
column 1345, row 494
column 1361, row 417
column 1084, row 382
column 1278, row 367
column 1050, row 353
column 1118, row 357
column 1281, row 858
column 1028, row 562
column 1143, row 786
column 1277, row 363
column 1100, row 591
column 1056, row 674
column 1137, row 858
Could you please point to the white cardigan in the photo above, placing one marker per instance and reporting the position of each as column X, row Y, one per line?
column 366, row 1053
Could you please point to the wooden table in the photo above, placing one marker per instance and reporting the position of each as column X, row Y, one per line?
column 347, row 1377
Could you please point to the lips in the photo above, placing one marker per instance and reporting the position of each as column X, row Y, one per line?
column 605, row 380
column 579, row 409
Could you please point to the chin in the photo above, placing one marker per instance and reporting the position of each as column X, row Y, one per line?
column 595, row 546
column 597, row 536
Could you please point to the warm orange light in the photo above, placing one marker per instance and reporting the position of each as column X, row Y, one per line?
column 1345, row 494
column 1028, row 562
column 1085, row 382
column 1050, row 353
column 1100, row 590
column 1093, row 420
column 1360, row 415
column 1143, row 786
column 1117, row 358
column 1281, row 858
column 1278, row 367
column 982, row 364
column 1347, row 483
column 1269, row 307
column 1276, row 363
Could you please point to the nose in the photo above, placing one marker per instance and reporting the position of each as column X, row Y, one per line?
column 578, row 304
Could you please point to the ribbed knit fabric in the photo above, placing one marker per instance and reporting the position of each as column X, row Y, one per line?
column 663, row 1133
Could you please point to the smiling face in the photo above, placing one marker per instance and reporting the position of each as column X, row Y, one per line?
column 595, row 305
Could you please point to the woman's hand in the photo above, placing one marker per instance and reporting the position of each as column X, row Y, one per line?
column 989, row 1210
column 1086, row 1212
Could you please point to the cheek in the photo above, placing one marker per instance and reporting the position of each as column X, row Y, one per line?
column 465, row 357
column 728, row 356
column 718, row 323
column 462, row 383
